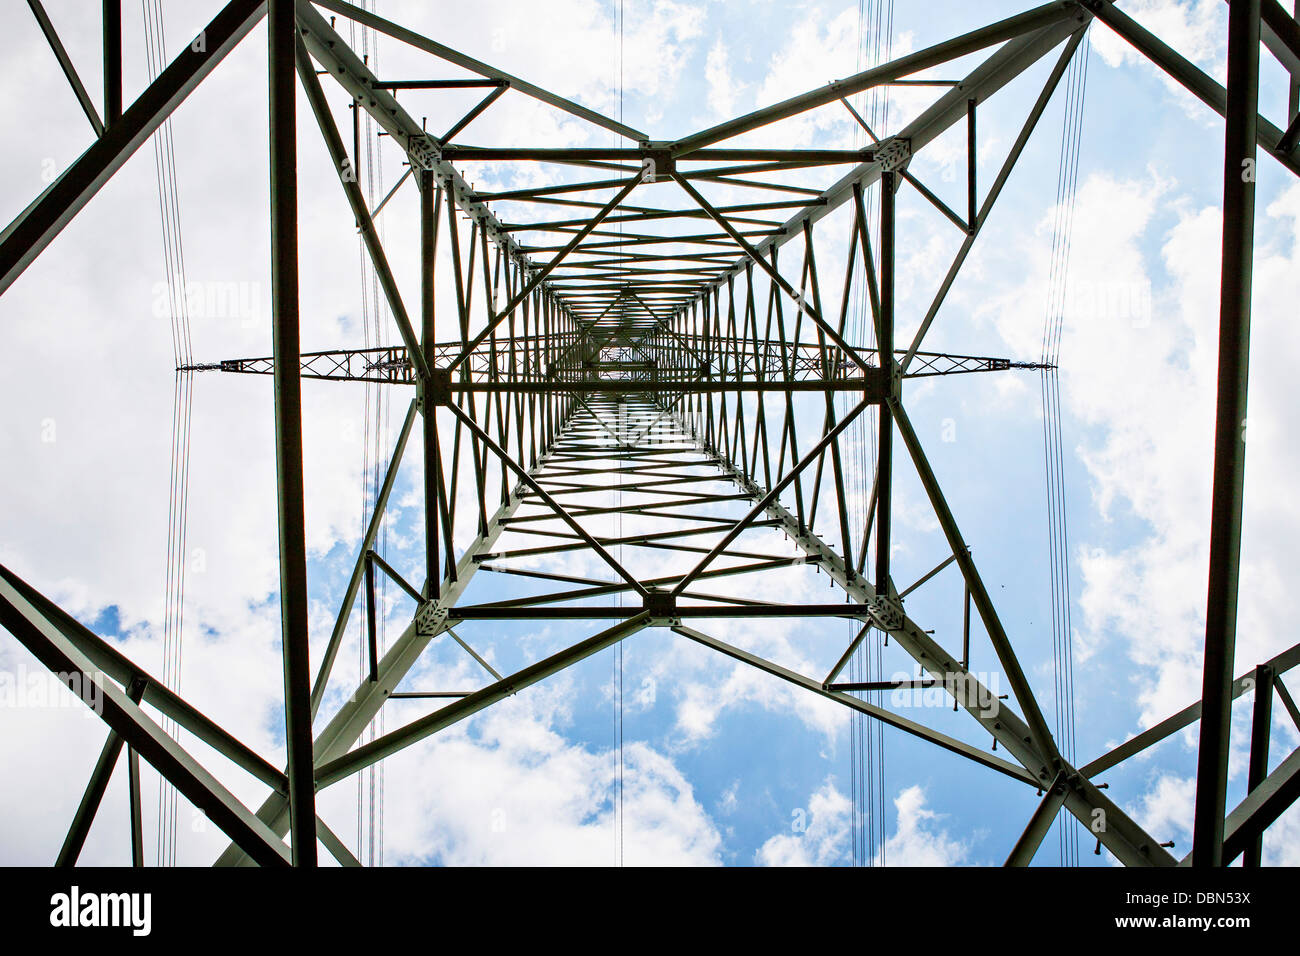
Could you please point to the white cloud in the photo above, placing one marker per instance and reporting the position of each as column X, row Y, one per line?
column 511, row 789
column 821, row 836
column 657, row 41
column 918, row 839
column 720, row 688
column 818, row 837
column 724, row 88
column 1282, row 840
column 820, row 48
column 1166, row 809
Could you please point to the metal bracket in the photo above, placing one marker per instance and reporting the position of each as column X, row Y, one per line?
column 657, row 163
column 424, row 152
column 887, row 612
column 438, row 389
column 893, row 153
column 662, row 607
column 430, row 618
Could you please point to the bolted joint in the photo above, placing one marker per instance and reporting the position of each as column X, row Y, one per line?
column 657, row 163
column 882, row 384
column 437, row 391
column 886, row 612
column 895, row 383
column 893, row 153
column 430, row 618
column 661, row 605
column 423, row 150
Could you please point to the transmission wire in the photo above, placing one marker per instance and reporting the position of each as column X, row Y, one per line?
column 875, row 30
column 1053, row 444
column 182, row 414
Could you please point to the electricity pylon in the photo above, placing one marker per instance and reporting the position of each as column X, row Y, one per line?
column 661, row 351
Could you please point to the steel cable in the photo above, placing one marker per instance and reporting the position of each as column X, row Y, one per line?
column 177, row 305
column 1053, row 443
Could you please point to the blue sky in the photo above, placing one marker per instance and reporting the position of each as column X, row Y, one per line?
column 722, row 762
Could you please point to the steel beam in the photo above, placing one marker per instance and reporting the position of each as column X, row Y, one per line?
column 43, row 638
column 1261, row 727
column 756, row 257
column 352, row 188
column 389, row 744
column 349, row 71
column 359, row 708
column 65, row 63
column 1015, row 26
column 995, row 190
column 489, row 445
column 1130, row 844
column 1288, row 702
column 766, row 500
column 94, row 795
column 1230, row 430
column 133, row 798
column 872, row 384
column 1042, row 735
column 1022, row 854
column 885, row 334
column 1008, row 62
column 896, row 721
column 281, row 57
column 115, row 665
column 37, row 225
column 397, row 32
column 1280, row 33
column 1262, row 806
column 535, row 282
column 1186, row 717
column 428, row 343
column 112, row 61
column 1197, row 82
column 358, row 569
column 570, row 310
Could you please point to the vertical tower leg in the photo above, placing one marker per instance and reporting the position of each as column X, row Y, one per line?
column 288, row 430
column 1261, row 724
column 1229, row 430
column 112, row 61
column 885, row 338
column 432, row 460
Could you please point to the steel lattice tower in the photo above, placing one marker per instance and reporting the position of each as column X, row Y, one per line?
column 684, row 351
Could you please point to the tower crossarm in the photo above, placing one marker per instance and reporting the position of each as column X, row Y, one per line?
column 508, row 366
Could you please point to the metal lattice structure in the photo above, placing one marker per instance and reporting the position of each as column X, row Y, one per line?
column 623, row 330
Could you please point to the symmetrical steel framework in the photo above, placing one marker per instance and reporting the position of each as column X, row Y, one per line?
column 677, row 351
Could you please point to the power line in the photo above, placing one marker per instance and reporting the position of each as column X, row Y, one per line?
column 1053, row 444
column 866, row 664
column 182, row 414
column 375, row 321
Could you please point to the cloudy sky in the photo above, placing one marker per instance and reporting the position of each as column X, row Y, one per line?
column 722, row 765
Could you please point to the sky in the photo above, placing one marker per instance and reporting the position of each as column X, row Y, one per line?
column 722, row 764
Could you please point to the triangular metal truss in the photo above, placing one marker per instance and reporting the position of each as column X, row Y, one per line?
column 674, row 349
